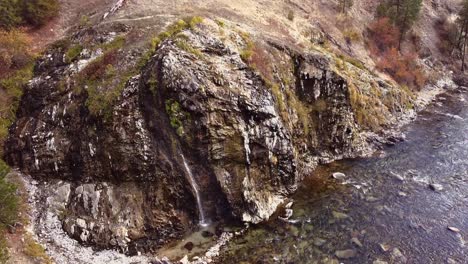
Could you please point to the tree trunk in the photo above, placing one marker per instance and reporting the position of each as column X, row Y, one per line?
column 402, row 30
column 464, row 53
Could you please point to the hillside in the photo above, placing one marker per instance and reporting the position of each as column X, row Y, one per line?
column 145, row 119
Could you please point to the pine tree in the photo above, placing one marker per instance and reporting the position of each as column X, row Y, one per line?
column 402, row 13
column 345, row 5
column 9, row 17
column 463, row 31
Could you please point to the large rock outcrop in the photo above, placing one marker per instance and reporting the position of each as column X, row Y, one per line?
column 250, row 127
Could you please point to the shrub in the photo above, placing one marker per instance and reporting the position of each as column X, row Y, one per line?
column 96, row 76
column 383, row 43
column 11, row 88
column 176, row 116
column 220, row 23
column 38, row 12
column 383, row 35
column 351, row 35
column 247, row 53
column 35, row 250
column 32, row 12
column 403, row 69
column 9, row 14
column 73, row 53
column 97, row 70
column 448, row 35
column 115, row 44
column 194, row 21
column 14, row 51
column 184, row 45
column 291, row 15
column 8, row 199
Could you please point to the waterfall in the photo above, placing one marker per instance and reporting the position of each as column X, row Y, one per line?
column 196, row 190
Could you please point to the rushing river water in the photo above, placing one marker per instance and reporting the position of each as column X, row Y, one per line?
column 385, row 210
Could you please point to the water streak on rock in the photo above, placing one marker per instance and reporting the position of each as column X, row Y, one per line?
column 196, row 190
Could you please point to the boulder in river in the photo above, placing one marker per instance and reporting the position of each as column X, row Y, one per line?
column 436, row 187
column 189, row 246
column 319, row 241
column 379, row 262
column 453, row 229
column 356, row 241
column 339, row 215
column 338, row 175
column 397, row 256
column 345, row 254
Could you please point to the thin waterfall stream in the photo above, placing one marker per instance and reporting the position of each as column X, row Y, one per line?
column 203, row 222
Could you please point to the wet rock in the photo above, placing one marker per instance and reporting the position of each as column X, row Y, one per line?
column 294, row 230
column 436, row 187
column 287, row 214
column 451, row 261
column 338, row 176
column 379, row 262
column 453, row 229
column 319, row 241
column 219, row 231
column 384, row 247
column 356, row 241
column 346, row 254
column 329, row 260
column 398, row 256
column 339, row 215
column 397, row 176
column 402, row 194
column 207, row 234
column 372, row 199
column 189, row 246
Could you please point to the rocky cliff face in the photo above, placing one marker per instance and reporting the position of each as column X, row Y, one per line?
column 250, row 116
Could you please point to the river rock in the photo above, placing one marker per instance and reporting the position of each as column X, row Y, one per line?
column 339, row 176
column 189, row 246
column 339, row 215
column 453, row 229
column 384, row 247
column 402, row 194
column 319, row 241
column 398, row 256
column 379, row 262
column 345, row 254
column 356, row 241
column 397, row 176
column 294, row 231
column 436, row 187
column 451, row 261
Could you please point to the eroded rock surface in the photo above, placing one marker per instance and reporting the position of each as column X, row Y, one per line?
column 250, row 129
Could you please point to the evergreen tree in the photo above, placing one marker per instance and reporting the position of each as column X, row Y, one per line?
column 9, row 14
column 345, row 5
column 37, row 12
column 402, row 13
column 31, row 12
column 463, row 31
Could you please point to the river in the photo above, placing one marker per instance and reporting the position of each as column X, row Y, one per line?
column 385, row 209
